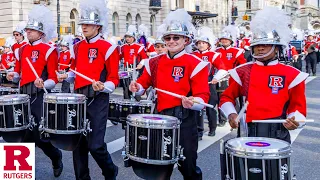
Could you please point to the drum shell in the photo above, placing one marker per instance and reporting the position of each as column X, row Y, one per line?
column 223, row 85
column 113, row 110
column 125, row 108
column 14, row 117
column 8, row 91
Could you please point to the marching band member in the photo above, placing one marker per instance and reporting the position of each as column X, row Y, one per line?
column 205, row 53
column 78, row 36
column 7, row 58
column 181, row 73
column 143, row 35
column 310, row 49
column 99, row 60
column 65, row 59
column 160, row 46
column 244, row 43
column 18, row 35
column 40, row 28
column 270, row 87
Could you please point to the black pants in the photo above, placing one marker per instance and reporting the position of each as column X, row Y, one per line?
column 34, row 136
column 97, row 113
column 311, row 63
column 188, row 141
column 65, row 88
column 221, row 116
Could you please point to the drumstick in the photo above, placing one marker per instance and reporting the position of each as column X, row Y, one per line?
column 68, row 65
column 134, row 73
column 241, row 112
column 87, row 78
column 280, row 121
column 180, row 96
column 35, row 73
column 221, row 79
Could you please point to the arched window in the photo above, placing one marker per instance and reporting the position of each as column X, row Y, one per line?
column 128, row 20
column 138, row 20
column 115, row 24
column 73, row 20
column 153, row 25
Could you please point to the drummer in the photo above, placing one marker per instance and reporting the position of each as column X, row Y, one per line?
column 44, row 59
column 270, row 87
column 99, row 60
column 160, row 46
column 184, row 74
column 65, row 59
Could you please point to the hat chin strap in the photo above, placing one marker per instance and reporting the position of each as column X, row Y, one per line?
column 265, row 55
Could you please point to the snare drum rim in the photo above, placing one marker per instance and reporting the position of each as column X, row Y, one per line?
column 58, row 98
column 14, row 101
column 152, row 161
column 169, row 122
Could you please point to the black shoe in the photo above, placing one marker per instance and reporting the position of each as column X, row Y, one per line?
column 211, row 133
column 222, row 123
column 57, row 166
column 199, row 138
column 114, row 122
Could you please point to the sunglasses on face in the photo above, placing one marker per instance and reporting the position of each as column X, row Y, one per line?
column 16, row 34
column 175, row 38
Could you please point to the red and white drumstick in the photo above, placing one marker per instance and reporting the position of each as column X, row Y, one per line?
column 67, row 65
column 87, row 78
column 180, row 96
column 134, row 73
column 280, row 121
column 241, row 113
column 35, row 73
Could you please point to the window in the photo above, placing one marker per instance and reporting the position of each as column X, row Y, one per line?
column 115, row 24
column 128, row 21
column 73, row 23
column 153, row 25
column 138, row 20
column 248, row 4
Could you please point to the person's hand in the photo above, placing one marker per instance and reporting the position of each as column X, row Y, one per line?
column 134, row 86
column 140, row 66
column 97, row 85
column 232, row 120
column 10, row 76
column 39, row 83
column 291, row 123
column 214, row 81
column 187, row 102
column 62, row 77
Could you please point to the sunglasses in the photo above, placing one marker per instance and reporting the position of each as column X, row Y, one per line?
column 16, row 34
column 175, row 38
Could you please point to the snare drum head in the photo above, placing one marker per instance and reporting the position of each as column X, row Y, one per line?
column 258, row 145
column 123, row 74
column 153, row 120
column 145, row 102
column 64, row 98
column 127, row 102
column 14, row 99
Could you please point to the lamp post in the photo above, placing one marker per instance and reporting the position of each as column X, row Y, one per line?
column 58, row 18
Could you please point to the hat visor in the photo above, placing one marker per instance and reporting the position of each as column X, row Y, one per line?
column 34, row 28
column 90, row 22
column 267, row 43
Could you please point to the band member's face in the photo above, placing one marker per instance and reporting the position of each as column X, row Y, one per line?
column 90, row 30
column 6, row 49
column 202, row 46
column 241, row 36
column 18, row 36
column 262, row 49
column 225, row 42
column 129, row 39
column 160, row 48
column 64, row 48
column 33, row 35
column 310, row 38
column 175, row 43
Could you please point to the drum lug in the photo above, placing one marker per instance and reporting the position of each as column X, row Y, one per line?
column 181, row 157
column 87, row 129
column 31, row 123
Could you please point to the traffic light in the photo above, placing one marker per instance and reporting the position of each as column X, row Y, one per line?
column 245, row 17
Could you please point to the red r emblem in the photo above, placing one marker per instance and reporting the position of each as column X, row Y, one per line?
column 92, row 54
column 276, row 83
column 177, row 73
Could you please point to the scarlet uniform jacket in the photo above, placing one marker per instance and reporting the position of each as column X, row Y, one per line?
column 308, row 44
column 150, row 48
column 43, row 57
column 65, row 59
column 231, row 56
column 129, row 51
column 244, row 43
column 98, row 59
column 17, row 45
column 273, row 91
column 6, row 60
column 183, row 74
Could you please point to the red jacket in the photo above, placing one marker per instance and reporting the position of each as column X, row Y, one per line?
column 94, row 59
column 17, row 45
column 6, row 60
column 308, row 44
column 182, row 74
column 64, row 58
column 244, row 43
column 41, row 56
column 212, row 57
column 128, row 51
column 150, row 48
column 231, row 56
column 273, row 91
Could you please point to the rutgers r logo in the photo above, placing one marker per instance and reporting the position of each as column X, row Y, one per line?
column 17, row 161
column 205, row 58
column 177, row 73
column 34, row 55
column 92, row 54
column 276, row 83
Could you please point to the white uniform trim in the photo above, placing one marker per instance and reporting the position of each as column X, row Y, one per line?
column 52, row 48
column 220, row 74
column 110, row 85
column 228, row 108
column 147, row 66
column 110, row 51
column 149, row 45
column 240, row 51
column 235, row 76
column 299, row 78
column 140, row 49
column 215, row 56
column 198, row 68
column 16, row 54
column 298, row 116
column 196, row 106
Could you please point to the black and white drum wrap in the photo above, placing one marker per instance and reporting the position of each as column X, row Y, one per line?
column 146, row 107
column 15, row 112
column 126, row 107
column 113, row 109
column 8, row 91
column 223, row 84
column 64, row 113
column 153, row 139
column 252, row 158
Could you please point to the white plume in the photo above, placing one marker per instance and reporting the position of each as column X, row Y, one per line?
column 79, row 31
column 42, row 14
column 233, row 31
column 99, row 7
column 9, row 41
column 299, row 33
column 144, row 30
column 161, row 30
column 207, row 32
column 269, row 19
column 20, row 27
column 132, row 28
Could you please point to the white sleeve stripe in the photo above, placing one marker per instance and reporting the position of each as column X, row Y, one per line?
column 49, row 52
column 140, row 49
column 301, row 77
column 147, row 66
column 228, row 108
column 110, row 51
column 215, row 57
column 235, row 76
column 16, row 54
column 239, row 52
column 149, row 45
column 198, row 68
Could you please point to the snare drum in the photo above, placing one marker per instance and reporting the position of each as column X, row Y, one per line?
column 153, row 139
column 145, row 107
column 124, row 75
column 8, row 91
column 254, row 158
column 64, row 113
column 223, row 85
column 127, row 107
column 113, row 109
column 14, row 112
